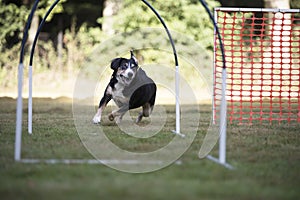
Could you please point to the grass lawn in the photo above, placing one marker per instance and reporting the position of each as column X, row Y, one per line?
column 266, row 160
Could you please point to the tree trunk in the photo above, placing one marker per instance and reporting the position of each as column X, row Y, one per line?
column 111, row 7
column 33, row 28
column 60, row 43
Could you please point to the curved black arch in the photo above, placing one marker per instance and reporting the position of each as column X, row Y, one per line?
column 170, row 39
column 25, row 34
column 167, row 30
column 39, row 30
column 149, row 5
column 217, row 30
column 56, row 2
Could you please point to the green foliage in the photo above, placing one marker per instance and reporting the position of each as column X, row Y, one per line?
column 8, row 62
column 12, row 23
column 79, row 45
column 12, row 20
column 187, row 17
column 295, row 4
column 44, row 5
column 184, row 16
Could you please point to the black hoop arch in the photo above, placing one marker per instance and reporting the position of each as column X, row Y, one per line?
column 20, row 80
column 18, row 135
column 20, row 71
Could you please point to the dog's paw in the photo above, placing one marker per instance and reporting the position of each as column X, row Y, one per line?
column 111, row 117
column 138, row 119
column 96, row 119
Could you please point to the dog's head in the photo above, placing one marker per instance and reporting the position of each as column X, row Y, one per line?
column 125, row 69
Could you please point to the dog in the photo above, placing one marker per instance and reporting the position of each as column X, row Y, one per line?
column 130, row 88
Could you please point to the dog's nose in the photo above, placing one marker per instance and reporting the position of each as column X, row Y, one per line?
column 130, row 74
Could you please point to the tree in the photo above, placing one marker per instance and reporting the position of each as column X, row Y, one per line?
column 13, row 16
column 111, row 7
column 183, row 16
column 12, row 19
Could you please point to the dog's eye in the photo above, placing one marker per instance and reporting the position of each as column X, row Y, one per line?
column 133, row 66
column 123, row 67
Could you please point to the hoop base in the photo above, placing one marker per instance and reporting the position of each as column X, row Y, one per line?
column 91, row 161
column 176, row 133
column 216, row 160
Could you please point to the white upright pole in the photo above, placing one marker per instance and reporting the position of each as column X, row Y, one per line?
column 177, row 128
column 18, row 136
column 19, row 114
column 30, row 100
column 214, row 71
column 177, row 103
column 223, row 120
column 177, row 99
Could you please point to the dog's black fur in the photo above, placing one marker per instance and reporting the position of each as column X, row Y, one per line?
column 130, row 88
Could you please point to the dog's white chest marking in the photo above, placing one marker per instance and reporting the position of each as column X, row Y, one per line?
column 117, row 95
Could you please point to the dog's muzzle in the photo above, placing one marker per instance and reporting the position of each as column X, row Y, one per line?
column 127, row 79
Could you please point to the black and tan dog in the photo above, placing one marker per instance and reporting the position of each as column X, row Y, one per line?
column 130, row 88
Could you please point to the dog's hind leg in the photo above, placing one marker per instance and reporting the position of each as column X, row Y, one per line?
column 139, row 118
column 147, row 110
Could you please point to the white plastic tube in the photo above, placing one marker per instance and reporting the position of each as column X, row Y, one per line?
column 223, row 120
column 177, row 99
column 18, row 136
column 30, row 100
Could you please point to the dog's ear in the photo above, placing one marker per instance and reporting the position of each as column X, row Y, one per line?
column 133, row 57
column 115, row 63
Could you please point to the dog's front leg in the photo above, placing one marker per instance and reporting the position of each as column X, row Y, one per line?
column 116, row 114
column 97, row 117
column 105, row 99
column 119, row 118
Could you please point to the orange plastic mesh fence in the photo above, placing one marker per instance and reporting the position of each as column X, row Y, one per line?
column 262, row 51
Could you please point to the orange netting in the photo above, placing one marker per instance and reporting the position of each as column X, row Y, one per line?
column 262, row 51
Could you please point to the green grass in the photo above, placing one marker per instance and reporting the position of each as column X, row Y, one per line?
column 266, row 160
